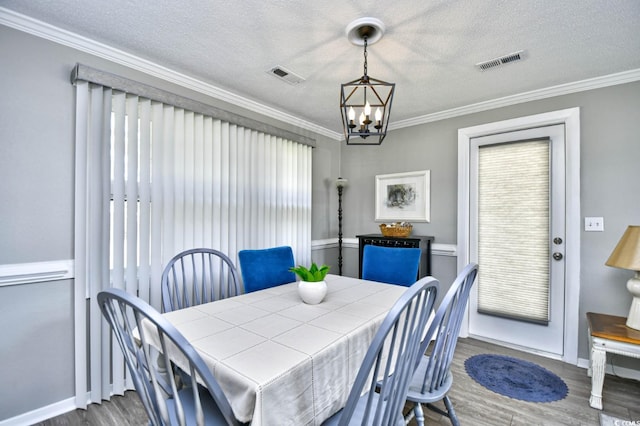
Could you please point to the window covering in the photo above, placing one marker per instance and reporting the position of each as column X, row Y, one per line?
column 103, row 78
column 513, row 237
column 153, row 179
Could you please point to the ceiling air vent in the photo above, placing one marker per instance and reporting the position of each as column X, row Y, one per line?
column 502, row 60
column 284, row 74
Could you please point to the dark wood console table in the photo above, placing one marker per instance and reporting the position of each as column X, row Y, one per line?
column 420, row 241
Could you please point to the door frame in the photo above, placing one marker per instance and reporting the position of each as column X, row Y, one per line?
column 571, row 120
column 535, row 336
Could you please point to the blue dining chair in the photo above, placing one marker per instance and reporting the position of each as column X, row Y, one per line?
column 378, row 393
column 433, row 379
column 265, row 268
column 392, row 265
column 197, row 276
column 199, row 401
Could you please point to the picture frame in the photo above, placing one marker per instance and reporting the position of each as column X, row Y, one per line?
column 403, row 197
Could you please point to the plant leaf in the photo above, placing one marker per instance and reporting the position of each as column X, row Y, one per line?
column 313, row 274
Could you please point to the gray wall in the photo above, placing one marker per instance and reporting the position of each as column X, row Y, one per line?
column 37, row 192
column 36, row 188
column 610, row 183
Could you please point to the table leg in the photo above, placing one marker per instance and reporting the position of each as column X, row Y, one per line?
column 163, row 372
column 597, row 364
column 589, row 373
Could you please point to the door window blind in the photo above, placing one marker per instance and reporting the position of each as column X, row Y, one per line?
column 513, row 224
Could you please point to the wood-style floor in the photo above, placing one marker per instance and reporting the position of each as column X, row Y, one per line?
column 475, row 405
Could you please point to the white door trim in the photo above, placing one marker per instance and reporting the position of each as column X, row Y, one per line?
column 571, row 119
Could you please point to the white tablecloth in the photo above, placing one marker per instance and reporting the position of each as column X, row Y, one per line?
column 283, row 362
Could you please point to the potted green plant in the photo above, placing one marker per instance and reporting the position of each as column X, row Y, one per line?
column 312, row 287
column 313, row 274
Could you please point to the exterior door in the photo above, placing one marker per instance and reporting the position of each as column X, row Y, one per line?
column 517, row 235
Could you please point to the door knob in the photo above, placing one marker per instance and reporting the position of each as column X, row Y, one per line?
column 557, row 256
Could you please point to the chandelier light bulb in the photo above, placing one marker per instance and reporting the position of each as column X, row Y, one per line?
column 352, row 114
column 367, row 109
column 362, row 118
column 378, row 115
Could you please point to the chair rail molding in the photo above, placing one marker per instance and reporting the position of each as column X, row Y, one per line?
column 436, row 248
column 27, row 273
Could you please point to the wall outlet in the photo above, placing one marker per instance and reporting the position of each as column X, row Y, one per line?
column 592, row 224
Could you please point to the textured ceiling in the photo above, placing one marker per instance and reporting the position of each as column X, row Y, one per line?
column 429, row 50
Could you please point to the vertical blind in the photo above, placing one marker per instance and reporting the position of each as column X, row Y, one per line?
column 153, row 179
column 513, row 236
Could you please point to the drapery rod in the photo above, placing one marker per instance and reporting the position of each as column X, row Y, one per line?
column 103, row 78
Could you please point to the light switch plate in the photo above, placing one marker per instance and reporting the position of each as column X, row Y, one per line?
column 592, row 224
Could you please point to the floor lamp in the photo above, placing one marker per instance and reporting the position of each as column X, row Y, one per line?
column 340, row 184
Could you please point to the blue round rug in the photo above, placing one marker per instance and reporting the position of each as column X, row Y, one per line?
column 516, row 378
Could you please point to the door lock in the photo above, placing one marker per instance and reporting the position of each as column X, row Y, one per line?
column 557, row 241
column 557, row 256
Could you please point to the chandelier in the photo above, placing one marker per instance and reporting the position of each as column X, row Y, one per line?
column 365, row 103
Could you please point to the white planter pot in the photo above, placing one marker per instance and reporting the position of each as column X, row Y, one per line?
column 312, row 293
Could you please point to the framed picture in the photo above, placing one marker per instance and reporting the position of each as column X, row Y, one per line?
column 403, row 196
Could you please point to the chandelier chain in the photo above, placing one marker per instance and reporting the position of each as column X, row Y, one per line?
column 365, row 55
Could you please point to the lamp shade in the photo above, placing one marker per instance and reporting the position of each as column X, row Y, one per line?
column 626, row 255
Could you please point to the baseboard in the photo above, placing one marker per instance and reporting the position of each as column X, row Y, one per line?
column 41, row 414
column 614, row 370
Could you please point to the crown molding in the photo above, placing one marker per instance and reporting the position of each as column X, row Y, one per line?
column 46, row 31
column 41, row 29
column 534, row 95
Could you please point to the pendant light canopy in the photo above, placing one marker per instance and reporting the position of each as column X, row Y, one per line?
column 365, row 103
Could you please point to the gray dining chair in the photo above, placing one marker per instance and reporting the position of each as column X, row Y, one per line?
column 391, row 265
column 197, row 402
column 265, row 268
column 197, row 276
column 378, row 393
column 433, row 379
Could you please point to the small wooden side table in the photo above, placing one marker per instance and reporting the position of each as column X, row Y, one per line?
column 608, row 333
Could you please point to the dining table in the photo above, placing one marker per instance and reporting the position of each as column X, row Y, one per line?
column 281, row 361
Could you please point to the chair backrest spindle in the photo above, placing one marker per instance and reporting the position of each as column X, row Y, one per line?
column 139, row 329
column 433, row 379
column 446, row 328
column 380, row 388
column 198, row 276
